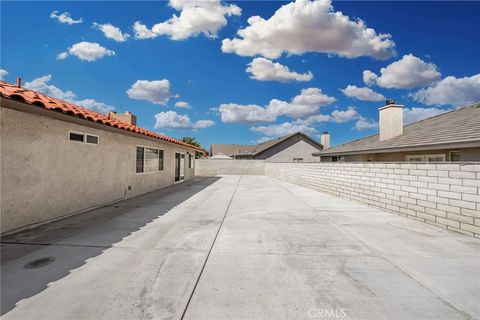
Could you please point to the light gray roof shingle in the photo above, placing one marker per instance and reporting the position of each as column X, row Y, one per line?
column 458, row 126
column 270, row 143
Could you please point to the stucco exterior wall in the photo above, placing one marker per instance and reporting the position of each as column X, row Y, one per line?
column 45, row 176
column 299, row 149
column 213, row 167
column 442, row 194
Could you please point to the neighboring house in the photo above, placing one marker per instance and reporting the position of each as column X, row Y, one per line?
column 451, row 136
column 59, row 158
column 296, row 147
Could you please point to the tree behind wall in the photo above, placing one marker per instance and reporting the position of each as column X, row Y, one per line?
column 193, row 141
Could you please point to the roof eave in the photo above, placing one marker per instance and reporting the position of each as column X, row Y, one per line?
column 449, row 145
column 29, row 108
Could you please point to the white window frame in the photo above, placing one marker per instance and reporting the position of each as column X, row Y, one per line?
column 191, row 159
column 84, row 137
column 184, row 167
column 144, row 147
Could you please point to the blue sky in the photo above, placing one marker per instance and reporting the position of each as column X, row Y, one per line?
column 313, row 65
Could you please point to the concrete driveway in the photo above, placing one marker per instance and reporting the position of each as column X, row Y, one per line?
column 233, row 247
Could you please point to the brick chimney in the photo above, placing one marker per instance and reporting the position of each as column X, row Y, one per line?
column 391, row 120
column 127, row 117
column 325, row 140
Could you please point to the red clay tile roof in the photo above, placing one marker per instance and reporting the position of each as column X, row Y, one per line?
column 11, row 91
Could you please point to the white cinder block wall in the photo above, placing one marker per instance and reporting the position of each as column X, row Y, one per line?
column 212, row 167
column 445, row 195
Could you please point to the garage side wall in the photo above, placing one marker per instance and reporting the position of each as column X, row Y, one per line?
column 45, row 176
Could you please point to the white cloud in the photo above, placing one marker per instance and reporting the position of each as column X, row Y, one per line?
column 142, row 32
column 214, row 111
column 182, row 104
column 62, row 55
column 405, row 73
column 65, row 18
column 200, row 124
column 94, row 105
column 416, row 114
column 351, row 114
column 304, row 108
column 306, row 125
column 111, row 32
column 365, row 124
column 247, row 114
column 369, row 77
column 265, row 70
column 278, row 130
column 172, row 120
column 317, row 118
column 156, row 91
column 309, row 26
column 312, row 97
column 343, row 116
column 196, row 17
column 3, row 74
column 451, row 91
column 364, row 94
column 307, row 103
column 340, row 116
column 41, row 84
column 263, row 139
column 87, row 51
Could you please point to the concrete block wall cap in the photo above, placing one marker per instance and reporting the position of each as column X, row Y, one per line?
column 391, row 106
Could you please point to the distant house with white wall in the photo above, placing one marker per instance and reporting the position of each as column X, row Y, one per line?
column 59, row 158
column 296, row 147
column 451, row 136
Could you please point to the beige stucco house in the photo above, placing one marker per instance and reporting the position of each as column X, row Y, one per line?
column 451, row 136
column 58, row 159
column 296, row 147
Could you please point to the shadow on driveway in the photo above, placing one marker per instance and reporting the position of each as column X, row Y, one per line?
column 32, row 259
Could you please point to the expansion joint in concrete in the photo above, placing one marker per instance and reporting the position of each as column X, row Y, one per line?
column 210, row 250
